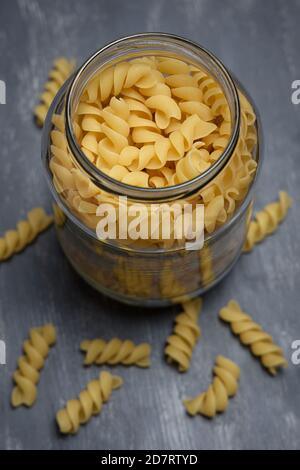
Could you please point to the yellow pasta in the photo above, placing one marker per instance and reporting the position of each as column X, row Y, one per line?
column 154, row 122
column 251, row 334
column 165, row 108
column 26, row 231
column 115, row 131
column 131, row 281
column 59, row 216
column 181, row 140
column 115, row 352
column 60, row 72
column 180, row 344
column 214, row 213
column 193, row 164
column 27, row 375
column 267, row 220
column 206, row 265
column 224, row 386
column 89, row 403
column 152, row 110
column 169, row 285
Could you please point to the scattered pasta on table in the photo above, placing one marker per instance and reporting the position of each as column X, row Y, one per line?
column 149, row 122
column 116, row 351
column 186, row 332
column 26, row 231
column 27, row 375
column 61, row 70
column 224, row 386
column 251, row 334
column 267, row 220
column 89, row 402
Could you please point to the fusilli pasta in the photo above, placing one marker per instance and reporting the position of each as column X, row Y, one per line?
column 267, row 220
column 180, row 344
column 115, row 352
column 27, row 375
column 169, row 285
column 144, row 124
column 59, row 216
column 89, row 403
column 251, row 334
column 26, row 231
column 224, row 386
column 143, row 87
column 60, row 72
column 130, row 280
column 206, row 265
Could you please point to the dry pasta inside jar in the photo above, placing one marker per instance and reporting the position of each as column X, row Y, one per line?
column 151, row 124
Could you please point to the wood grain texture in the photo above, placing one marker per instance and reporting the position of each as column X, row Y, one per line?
column 259, row 41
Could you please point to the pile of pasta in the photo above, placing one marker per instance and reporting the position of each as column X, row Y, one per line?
column 155, row 122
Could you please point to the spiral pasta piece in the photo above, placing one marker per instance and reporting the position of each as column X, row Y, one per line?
column 212, row 94
column 180, row 141
column 138, row 159
column 206, row 265
column 180, row 344
column 131, row 280
column 193, row 164
column 26, row 231
column 27, row 375
column 115, row 352
column 169, row 285
column 215, row 399
column 89, row 403
column 198, row 108
column 59, row 216
column 116, row 130
column 267, row 220
column 165, row 108
column 135, row 178
column 60, row 72
column 251, row 334
column 121, row 79
column 214, row 213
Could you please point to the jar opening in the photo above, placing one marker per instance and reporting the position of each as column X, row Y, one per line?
column 142, row 45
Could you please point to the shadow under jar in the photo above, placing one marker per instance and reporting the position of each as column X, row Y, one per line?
column 160, row 272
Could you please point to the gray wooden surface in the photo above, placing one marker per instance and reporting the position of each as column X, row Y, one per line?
column 259, row 41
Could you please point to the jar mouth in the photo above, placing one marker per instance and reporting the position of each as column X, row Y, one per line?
column 151, row 44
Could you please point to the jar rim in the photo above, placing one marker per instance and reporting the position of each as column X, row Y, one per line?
column 185, row 189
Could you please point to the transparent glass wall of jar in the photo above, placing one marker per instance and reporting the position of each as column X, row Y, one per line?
column 150, row 276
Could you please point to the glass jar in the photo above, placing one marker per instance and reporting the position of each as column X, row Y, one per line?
column 152, row 275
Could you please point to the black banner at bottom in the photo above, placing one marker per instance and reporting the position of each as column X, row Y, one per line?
column 133, row 459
